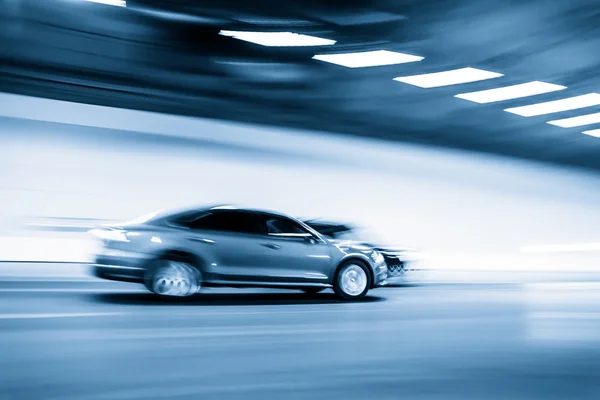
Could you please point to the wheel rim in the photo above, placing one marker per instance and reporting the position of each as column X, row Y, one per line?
column 175, row 279
column 353, row 280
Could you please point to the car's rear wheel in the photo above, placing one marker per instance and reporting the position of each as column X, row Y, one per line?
column 173, row 278
column 352, row 281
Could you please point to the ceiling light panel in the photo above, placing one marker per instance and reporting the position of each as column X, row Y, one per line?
column 278, row 39
column 118, row 3
column 368, row 58
column 593, row 132
column 571, row 103
column 447, row 78
column 577, row 121
column 510, row 92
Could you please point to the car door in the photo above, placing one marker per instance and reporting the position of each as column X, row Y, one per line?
column 297, row 255
column 232, row 244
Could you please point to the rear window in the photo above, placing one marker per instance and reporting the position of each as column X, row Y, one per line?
column 142, row 219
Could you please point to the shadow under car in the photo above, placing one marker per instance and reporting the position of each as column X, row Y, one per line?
column 225, row 299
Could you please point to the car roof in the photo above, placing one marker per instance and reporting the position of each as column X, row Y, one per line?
column 217, row 207
column 319, row 222
column 240, row 208
column 207, row 208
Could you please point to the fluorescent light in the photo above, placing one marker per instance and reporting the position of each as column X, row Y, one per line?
column 279, row 39
column 368, row 58
column 118, row 3
column 593, row 132
column 446, row 78
column 510, row 92
column 549, row 107
column 577, row 121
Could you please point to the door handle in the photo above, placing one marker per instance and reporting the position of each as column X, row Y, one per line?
column 271, row 246
column 201, row 240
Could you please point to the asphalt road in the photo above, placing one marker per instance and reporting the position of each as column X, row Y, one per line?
column 96, row 340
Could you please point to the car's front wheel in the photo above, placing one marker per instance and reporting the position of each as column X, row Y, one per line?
column 173, row 278
column 352, row 281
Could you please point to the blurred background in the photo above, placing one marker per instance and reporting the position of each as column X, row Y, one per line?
column 384, row 114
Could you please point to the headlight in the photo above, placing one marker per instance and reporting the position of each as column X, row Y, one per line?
column 113, row 235
column 377, row 257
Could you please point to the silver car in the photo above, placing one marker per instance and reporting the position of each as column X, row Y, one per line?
column 177, row 253
column 403, row 263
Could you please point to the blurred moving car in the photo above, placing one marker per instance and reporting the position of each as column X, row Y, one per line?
column 400, row 261
column 177, row 253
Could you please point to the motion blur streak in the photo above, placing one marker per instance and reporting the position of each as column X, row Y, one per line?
column 457, row 245
column 562, row 248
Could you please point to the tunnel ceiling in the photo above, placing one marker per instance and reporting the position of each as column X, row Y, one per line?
column 169, row 56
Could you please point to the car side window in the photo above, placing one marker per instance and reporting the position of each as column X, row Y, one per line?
column 230, row 221
column 282, row 226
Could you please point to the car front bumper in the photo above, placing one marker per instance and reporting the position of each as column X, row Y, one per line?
column 380, row 273
column 406, row 273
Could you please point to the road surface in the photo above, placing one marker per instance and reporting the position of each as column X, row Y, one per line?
column 103, row 340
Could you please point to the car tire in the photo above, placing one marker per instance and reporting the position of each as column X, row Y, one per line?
column 352, row 281
column 173, row 278
column 313, row 290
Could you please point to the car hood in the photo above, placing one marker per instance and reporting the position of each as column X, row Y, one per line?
column 358, row 244
column 406, row 253
column 395, row 249
column 352, row 245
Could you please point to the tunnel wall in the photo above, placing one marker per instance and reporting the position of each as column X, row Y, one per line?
column 62, row 159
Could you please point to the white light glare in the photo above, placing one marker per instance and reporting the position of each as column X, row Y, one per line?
column 447, row 78
column 107, row 234
column 593, row 132
column 510, row 92
column 155, row 239
column 278, row 39
column 224, row 208
column 562, row 248
column 577, row 121
column 118, row 3
column 140, row 220
column 549, row 107
column 368, row 58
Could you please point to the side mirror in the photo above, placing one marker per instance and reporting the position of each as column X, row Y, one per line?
column 310, row 239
